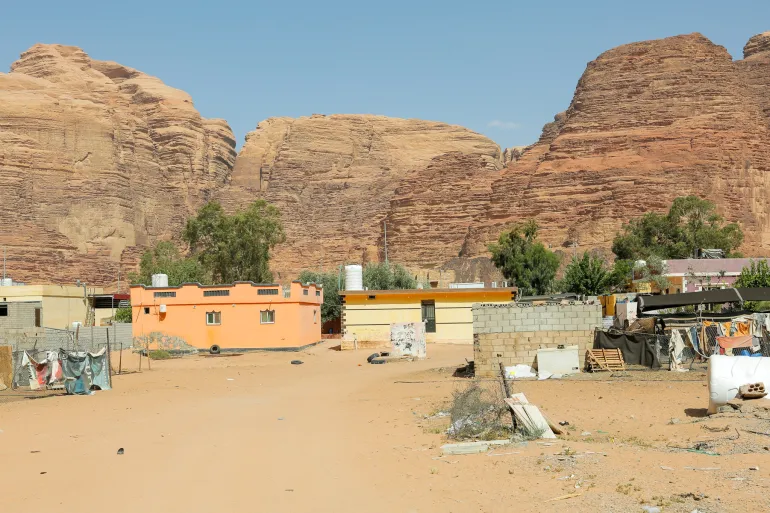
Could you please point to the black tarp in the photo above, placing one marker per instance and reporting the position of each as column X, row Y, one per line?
column 755, row 294
column 706, row 297
column 637, row 348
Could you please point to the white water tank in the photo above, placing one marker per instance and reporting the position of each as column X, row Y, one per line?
column 6, row 282
column 160, row 280
column 354, row 277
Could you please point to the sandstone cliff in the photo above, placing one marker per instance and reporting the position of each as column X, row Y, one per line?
column 337, row 178
column 649, row 121
column 97, row 160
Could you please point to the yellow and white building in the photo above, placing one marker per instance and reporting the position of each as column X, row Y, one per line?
column 59, row 305
column 368, row 314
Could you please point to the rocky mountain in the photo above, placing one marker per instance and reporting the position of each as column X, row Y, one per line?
column 337, row 178
column 649, row 121
column 97, row 160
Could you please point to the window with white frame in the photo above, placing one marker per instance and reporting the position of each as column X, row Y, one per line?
column 213, row 318
column 267, row 317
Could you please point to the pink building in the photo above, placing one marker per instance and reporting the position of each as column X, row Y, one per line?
column 694, row 275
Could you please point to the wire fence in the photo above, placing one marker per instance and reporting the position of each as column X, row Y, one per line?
column 49, row 344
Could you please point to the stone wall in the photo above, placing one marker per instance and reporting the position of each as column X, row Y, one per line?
column 513, row 333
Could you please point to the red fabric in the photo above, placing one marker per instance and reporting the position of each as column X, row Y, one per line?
column 735, row 342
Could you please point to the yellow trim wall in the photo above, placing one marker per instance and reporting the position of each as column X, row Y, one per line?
column 61, row 305
column 369, row 319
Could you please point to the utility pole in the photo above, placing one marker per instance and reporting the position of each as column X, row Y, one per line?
column 385, row 227
column 5, row 254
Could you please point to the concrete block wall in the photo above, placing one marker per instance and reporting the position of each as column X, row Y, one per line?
column 513, row 333
column 21, row 315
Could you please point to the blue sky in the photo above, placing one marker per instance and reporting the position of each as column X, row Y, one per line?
column 502, row 68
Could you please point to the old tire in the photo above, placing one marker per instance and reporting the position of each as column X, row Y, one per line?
column 372, row 357
column 215, row 349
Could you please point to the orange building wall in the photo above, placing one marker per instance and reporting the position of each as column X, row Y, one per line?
column 297, row 318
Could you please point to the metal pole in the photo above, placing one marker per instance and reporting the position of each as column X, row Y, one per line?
column 120, row 360
column 385, row 227
column 109, row 355
column 5, row 255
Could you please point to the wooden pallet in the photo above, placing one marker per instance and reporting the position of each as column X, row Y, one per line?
column 604, row 359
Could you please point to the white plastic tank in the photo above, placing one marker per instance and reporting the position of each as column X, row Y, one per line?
column 162, row 309
column 728, row 373
column 160, row 280
column 354, row 277
column 6, row 282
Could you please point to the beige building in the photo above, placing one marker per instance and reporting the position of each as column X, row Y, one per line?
column 368, row 314
column 60, row 305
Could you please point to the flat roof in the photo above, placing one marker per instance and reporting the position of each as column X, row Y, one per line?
column 426, row 291
column 223, row 285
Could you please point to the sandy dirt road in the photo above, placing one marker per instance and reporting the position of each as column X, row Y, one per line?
column 254, row 433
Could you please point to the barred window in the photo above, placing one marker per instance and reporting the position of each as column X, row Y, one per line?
column 267, row 292
column 304, row 292
column 213, row 318
column 318, row 293
column 165, row 294
column 209, row 293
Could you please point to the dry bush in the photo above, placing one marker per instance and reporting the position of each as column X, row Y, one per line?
column 478, row 412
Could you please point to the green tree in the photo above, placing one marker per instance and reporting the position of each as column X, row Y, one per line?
column 123, row 314
column 165, row 258
column 653, row 270
column 525, row 261
column 382, row 276
column 587, row 275
column 332, row 305
column 756, row 274
column 622, row 272
column 235, row 247
column 691, row 223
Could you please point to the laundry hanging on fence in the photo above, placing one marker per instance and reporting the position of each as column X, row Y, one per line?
column 54, row 366
column 38, row 371
column 84, row 371
column 735, row 342
column 98, row 369
column 694, row 339
column 676, row 350
column 75, row 379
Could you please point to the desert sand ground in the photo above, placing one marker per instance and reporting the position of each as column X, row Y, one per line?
column 255, row 433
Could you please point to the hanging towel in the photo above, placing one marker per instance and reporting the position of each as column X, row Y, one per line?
column 676, row 350
column 98, row 369
column 54, row 365
column 38, row 371
column 694, row 339
column 74, row 369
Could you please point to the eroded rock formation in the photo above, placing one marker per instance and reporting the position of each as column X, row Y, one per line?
column 97, row 160
column 649, row 121
column 337, row 178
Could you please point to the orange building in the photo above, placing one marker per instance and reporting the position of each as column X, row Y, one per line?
column 244, row 315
